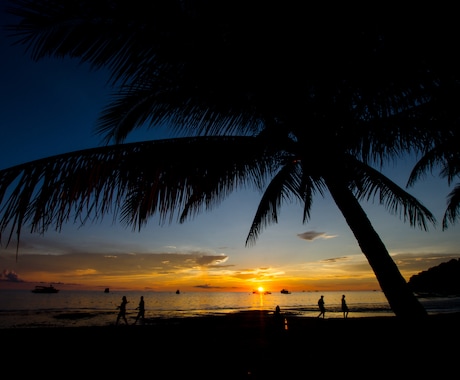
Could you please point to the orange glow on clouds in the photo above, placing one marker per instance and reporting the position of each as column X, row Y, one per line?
column 195, row 272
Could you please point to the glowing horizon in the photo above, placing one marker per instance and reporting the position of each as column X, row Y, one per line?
column 194, row 272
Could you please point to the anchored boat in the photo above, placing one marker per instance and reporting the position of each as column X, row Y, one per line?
column 45, row 289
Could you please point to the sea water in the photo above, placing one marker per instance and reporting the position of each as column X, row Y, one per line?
column 30, row 307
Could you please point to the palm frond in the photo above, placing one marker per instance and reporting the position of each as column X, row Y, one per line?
column 453, row 207
column 308, row 188
column 371, row 184
column 162, row 103
column 445, row 156
column 426, row 163
column 248, row 165
column 118, row 36
column 135, row 181
column 284, row 186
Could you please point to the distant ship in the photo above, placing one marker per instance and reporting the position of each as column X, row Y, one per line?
column 45, row 289
column 106, row 290
column 177, row 291
column 285, row 291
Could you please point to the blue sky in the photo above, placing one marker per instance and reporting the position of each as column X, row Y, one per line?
column 50, row 107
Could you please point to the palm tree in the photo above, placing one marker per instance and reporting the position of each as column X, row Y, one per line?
column 257, row 95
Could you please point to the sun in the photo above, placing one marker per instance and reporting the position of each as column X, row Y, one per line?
column 260, row 289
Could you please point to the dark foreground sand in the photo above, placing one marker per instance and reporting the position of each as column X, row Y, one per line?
column 235, row 346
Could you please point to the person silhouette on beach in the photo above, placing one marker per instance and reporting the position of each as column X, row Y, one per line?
column 344, row 307
column 279, row 320
column 122, row 312
column 141, row 312
column 322, row 309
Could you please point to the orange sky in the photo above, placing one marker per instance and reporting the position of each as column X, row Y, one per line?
column 195, row 272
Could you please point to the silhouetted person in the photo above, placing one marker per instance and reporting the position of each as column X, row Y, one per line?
column 322, row 309
column 141, row 312
column 344, row 307
column 122, row 308
column 279, row 320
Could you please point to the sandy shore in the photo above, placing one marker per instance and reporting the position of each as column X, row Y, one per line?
column 241, row 345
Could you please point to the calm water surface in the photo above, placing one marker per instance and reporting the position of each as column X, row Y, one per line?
column 194, row 303
column 101, row 307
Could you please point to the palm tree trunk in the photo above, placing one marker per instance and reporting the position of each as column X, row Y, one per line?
column 402, row 300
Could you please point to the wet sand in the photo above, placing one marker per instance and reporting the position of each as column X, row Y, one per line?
column 241, row 345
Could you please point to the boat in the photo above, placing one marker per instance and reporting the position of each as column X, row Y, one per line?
column 177, row 291
column 106, row 290
column 45, row 289
column 261, row 292
column 285, row 291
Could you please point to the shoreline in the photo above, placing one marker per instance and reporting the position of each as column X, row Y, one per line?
column 29, row 319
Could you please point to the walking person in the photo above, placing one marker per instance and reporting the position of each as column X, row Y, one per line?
column 141, row 312
column 322, row 308
column 122, row 310
column 344, row 307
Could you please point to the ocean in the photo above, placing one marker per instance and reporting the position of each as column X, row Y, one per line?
column 22, row 308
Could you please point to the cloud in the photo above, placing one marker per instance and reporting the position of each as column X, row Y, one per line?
column 207, row 286
column 206, row 260
column 336, row 259
column 75, row 266
column 10, row 276
column 312, row 235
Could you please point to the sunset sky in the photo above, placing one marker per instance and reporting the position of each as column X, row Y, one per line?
column 50, row 107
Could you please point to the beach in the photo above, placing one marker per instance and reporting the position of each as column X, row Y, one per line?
column 248, row 344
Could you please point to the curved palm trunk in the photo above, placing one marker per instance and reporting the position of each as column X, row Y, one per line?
column 401, row 299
